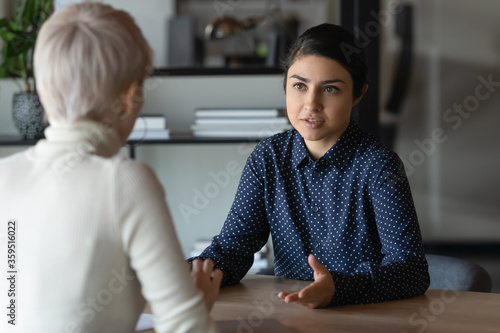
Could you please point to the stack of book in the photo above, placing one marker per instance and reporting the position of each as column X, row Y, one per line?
column 150, row 127
column 239, row 123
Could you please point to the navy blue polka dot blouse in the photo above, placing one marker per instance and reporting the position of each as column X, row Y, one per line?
column 352, row 209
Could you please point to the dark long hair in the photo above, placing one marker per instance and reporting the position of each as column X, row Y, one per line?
column 334, row 42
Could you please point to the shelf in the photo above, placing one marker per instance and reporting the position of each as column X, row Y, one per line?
column 201, row 71
column 185, row 138
column 8, row 140
column 205, row 71
column 15, row 140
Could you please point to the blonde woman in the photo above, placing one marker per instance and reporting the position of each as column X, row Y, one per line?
column 95, row 239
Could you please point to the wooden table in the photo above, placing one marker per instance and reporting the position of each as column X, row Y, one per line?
column 253, row 306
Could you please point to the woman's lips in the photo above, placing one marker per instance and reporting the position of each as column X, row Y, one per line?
column 312, row 122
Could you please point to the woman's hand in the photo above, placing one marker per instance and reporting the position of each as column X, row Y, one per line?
column 207, row 279
column 316, row 295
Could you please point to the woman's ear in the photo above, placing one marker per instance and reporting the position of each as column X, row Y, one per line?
column 358, row 99
column 129, row 99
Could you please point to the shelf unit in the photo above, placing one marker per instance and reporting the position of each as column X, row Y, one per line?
column 14, row 140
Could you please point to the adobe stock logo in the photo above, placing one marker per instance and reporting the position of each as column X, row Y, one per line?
column 86, row 310
column 372, row 29
column 421, row 320
column 222, row 7
column 454, row 117
column 255, row 319
column 202, row 197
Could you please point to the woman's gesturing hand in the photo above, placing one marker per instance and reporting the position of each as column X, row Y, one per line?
column 316, row 295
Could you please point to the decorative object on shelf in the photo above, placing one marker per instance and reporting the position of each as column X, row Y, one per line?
column 19, row 37
column 28, row 115
column 269, row 35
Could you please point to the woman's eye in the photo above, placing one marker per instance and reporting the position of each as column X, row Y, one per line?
column 330, row 89
column 299, row 86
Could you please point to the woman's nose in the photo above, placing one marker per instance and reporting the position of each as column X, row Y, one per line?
column 313, row 101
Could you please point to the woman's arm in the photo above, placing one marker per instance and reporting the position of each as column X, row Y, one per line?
column 403, row 271
column 149, row 238
column 245, row 230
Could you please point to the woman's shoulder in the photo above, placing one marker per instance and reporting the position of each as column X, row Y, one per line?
column 134, row 179
column 372, row 149
column 129, row 169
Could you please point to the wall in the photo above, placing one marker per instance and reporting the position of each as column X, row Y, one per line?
column 184, row 170
column 188, row 170
column 151, row 16
column 454, row 181
column 449, row 135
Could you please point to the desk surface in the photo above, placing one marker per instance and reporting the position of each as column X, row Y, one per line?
column 253, row 306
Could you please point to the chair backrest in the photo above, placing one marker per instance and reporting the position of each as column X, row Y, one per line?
column 457, row 274
column 447, row 273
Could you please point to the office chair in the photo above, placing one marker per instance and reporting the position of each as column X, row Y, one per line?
column 446, row 273
column 457, row 274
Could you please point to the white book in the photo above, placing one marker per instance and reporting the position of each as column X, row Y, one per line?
column 235, row 134
column 241, row 120
column 200, row 113
column 150, row 122
column 162, row 134
column 270, row 127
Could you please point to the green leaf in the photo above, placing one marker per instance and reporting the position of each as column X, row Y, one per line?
column 14, row 50
column 7, row 36
column 16, row 38
column 4, row 23
column 3, row 72
column 18, row 12
column 19, row 36
column 11, row 67
column 30, row 13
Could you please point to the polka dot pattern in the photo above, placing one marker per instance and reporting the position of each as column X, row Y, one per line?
column 352, row 209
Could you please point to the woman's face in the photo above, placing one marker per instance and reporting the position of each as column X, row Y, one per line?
column 319, row 99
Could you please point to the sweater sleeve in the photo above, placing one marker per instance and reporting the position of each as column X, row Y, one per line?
column 149, row 238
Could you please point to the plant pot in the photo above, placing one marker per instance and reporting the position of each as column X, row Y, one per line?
column 27, row 113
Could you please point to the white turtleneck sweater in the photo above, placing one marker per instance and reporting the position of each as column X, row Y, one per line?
column 94, row 238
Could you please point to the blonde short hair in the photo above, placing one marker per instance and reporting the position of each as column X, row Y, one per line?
column 86, row 56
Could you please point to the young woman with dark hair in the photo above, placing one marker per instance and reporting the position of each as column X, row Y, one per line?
column 336, row 201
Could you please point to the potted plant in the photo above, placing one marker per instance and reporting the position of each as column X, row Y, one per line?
column 19, row 36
